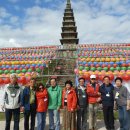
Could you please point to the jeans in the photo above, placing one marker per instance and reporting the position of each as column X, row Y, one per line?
column 82, row 119
column 41, row 120
column 8, row 116
column 108, row 117
column 128, row 119
column 54, row 119
column 122, row 117
column 27, row 114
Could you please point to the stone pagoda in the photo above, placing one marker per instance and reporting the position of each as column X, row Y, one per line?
column 69, row 29
column 69, row 40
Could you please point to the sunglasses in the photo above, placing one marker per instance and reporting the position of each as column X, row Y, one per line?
column 93, row 79
column 41, row 87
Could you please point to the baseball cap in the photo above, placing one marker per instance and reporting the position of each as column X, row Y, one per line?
column 93, row 77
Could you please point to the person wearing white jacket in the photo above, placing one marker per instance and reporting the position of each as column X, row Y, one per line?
column 12, row 102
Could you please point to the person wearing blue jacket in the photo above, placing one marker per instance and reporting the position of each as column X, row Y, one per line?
column 107, row 97
column 28, row 101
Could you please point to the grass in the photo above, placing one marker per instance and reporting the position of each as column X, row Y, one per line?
column 2, row 116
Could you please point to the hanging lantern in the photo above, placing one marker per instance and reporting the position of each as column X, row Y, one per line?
column 6, row 80
column 23, row 80
column 126, row 77
column 1, row 81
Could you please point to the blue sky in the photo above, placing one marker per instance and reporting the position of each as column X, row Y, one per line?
column 38, row 22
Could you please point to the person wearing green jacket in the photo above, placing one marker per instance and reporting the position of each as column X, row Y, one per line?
column 55, row 95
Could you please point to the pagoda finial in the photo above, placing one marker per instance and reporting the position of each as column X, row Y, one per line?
column 68, row 1
column 68, row 4
column 69, row 33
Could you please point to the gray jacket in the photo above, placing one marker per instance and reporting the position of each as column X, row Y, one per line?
column 123, row 96
column 12, row 97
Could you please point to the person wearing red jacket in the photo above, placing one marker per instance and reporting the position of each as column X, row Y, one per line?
column 42, row 105
column 93, row 100
column 69, row 105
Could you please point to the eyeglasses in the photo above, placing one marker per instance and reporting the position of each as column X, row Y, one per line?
column 93, row 79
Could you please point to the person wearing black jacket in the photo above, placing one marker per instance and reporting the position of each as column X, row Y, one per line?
column 107, row 97
column 82, row 105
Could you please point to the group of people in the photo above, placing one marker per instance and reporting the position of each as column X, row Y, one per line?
column 75, row 104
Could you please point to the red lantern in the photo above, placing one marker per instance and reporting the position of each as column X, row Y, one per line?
column 21, row 68
column 33, row 68
column 124, row 65
column 126, row 77
column 86, row 65
column 111, row 77
column 6, row 80
column 114, row 65
column 97, row 65
column 109, row 66
column 1, row 81
column 76, row 71
column 104, row 65
column 15, row 68
column 26, row 67
column 120, row 75
column 23, row 80
column 86, row 76
column 97, row 77
column 101, row 77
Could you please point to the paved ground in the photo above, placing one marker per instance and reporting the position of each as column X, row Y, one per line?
column 100, row 125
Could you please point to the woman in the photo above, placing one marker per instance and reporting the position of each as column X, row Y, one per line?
column 42, row 105
column 69, row 104
column 122, row 98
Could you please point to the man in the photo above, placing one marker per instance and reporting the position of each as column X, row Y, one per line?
column 29, row 104
column 127, row 85
column 93, row 100
column 122, row 98
column 128, row 111
column 107, row 98
column 82, row 105
column 55, row 95
column 11, row 102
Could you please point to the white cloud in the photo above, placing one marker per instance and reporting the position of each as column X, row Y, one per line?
column 100, row 26
column 96, row 24
column 10, row 43
column 14, row 19
column 40, row 27
column 3, row 13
